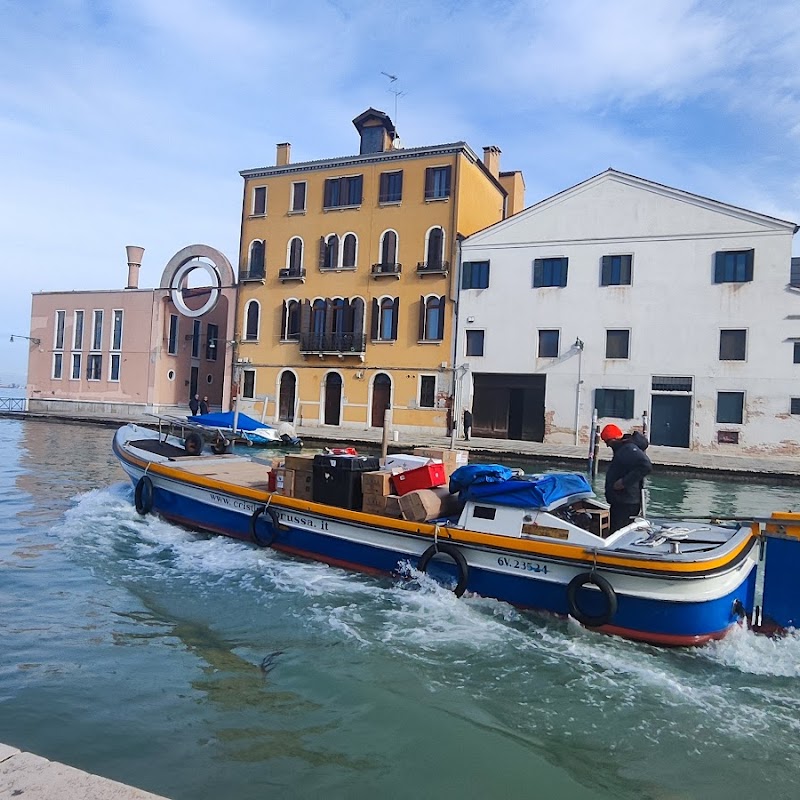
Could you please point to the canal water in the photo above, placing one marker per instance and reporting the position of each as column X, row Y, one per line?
column 199, row 667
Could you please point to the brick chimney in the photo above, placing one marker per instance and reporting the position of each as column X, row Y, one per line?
column 134, row 262
column 284, row 150
column 491, row 160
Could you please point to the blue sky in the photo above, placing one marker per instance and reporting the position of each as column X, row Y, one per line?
column 127, row 121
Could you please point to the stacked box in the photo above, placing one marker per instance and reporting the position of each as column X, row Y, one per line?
column 373, row 503
column 304, row 484
column 452, row 459
column 426, row 504
column 393, row 507
column 426, row 477
column 284, row 481
column 300, row 463
column 337, row 479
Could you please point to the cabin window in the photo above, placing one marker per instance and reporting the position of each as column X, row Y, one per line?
column 484, row 512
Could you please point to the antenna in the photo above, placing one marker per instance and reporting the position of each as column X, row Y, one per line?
column 397, row 94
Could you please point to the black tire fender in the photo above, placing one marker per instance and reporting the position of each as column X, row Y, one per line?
column 220, row 446
column 606, row 589
column 143, row 495
column 456, row 555
column 193, row 443
column 261, row 539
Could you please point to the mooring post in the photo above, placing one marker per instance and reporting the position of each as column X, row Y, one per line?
column 387, row 424
column 596, row 454
column 590, row 469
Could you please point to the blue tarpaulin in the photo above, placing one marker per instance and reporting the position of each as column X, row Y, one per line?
column 491, row 483
column 224, row 419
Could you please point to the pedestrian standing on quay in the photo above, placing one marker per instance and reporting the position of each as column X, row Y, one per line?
column 194, row 405
column 204, row 406
column 626, row 473
column 467, row 424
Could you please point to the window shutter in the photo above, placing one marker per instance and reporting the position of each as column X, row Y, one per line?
column 429, row 182
column 440, row 332
column 421, row 317
column 605, row 272
column 383, row 191
column 329, row 315
column 348, row 316
column 600, row 402
column 358, row 190
column 537, row 272
column 358, row 315
column 719, row 267
column 565, row 265
column 284, row 318
column 748, row 270
column 395, row 314
column 448, row 172
column 373, row 325
column 466, row 275
column 629, row 405
column 305, row 316
column 322, row 250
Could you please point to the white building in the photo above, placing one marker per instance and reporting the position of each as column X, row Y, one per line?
column 638, row 299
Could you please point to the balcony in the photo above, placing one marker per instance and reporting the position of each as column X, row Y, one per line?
column 292, row 274
column 251, row 275
column 433, row 267
column 386, row 270
column 337, row 344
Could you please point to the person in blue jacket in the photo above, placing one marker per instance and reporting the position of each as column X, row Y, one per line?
column 625, row 475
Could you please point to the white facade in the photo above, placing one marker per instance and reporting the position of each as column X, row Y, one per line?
column 675, row 306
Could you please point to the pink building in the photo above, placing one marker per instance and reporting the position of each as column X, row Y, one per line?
column 124, row 353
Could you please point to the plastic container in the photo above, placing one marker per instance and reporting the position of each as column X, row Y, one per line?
column 427, row 477
column 337, row 479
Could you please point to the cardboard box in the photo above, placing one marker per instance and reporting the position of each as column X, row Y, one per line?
column 426, row 504
column 373, row 503
column 377, row 482
column 284, row 481
column 426, row 477
column 299, row 463
column 393, row 509
column 404, row 461
column 303, row 484
column 452, row 459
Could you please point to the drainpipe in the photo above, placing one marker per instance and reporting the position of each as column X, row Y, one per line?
column 579, row 347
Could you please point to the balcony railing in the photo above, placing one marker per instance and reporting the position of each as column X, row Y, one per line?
column 335, row 343
column 291, row 274
column 433, row 267
column 251, row 275
column 380, row 270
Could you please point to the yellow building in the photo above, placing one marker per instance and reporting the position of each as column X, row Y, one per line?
column 348, row 278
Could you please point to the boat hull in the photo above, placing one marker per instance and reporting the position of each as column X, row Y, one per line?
column 667, row 609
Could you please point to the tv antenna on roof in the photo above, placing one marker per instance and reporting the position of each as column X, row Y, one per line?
column 396, row 92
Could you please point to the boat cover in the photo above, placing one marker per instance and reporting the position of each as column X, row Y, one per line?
column 492, row 483
column 224, row 419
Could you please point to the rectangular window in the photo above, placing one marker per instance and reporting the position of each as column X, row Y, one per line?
column 76, row 366
column 343, row 192
column 616, row 403
column 794, row 405
column 58, row 365
column 212, row 342
column 58, row 342
column 797, row 352
column 728, row 437
column 249, row 384
column 730, row 407
column 115, row 362
column 548, row 344
column 299, row 196
column 733, row 266
column 427, row 391
column 391, row 188
column 116, row 336
column 616, row 271
column 196, row 338
column 733, row 345
column 77, row 341
column 259, row 201
column 794, row 273
column 97, row 330
column 475, row 343
column 550, row 272
column 475, row 275
column 618, row 344
column 437, row 183
column 94, row 367
column 172, row 345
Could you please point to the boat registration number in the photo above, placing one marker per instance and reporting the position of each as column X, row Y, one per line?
column 521, row 564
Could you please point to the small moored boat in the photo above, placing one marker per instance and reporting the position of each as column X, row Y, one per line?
column 538, row 542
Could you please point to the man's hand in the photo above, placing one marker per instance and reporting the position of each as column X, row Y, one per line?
column 619, row 485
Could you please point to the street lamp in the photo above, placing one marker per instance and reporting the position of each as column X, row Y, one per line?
column 578, row 347
column 33, row 339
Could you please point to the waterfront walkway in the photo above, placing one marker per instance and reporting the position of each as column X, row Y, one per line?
column 665, row 459
column 35, row 778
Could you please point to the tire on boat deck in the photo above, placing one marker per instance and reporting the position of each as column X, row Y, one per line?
column 606, row 589
column 220, row 446
column 263, row 539
column 193, row 443
column 456, row 555
column 143, row 495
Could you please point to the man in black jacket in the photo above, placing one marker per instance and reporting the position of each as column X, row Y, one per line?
column 625, row 475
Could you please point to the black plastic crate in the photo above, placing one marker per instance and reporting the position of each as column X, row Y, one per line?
column 337, row 479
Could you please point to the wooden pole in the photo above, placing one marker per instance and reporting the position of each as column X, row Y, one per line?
column 387, row 424
column 596, row 455
column 592, row 444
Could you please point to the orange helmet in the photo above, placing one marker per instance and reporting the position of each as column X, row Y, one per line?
column 611, row 432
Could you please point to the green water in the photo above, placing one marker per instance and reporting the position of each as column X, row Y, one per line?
column 199, row 667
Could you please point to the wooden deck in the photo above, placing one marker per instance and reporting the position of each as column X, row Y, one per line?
column 231, row 469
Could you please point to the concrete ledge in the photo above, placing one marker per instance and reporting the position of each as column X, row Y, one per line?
column 35, row 778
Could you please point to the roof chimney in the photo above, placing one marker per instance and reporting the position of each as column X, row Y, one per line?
column 491, row 159
column 134, row 262
column 282, row 159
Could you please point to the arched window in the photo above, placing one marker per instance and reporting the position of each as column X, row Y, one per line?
column 331, row 255
column 338, row 308
column 435, row 254
column 318, row 317
column 386, row 318
column 389, row 248
column 349, row 250
column 290, row 327
column 431, row 323
column 252, row 317
column 295, row 254
column 256, row 263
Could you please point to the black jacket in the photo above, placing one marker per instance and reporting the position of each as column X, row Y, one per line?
column 629, row 464
column 194, row 406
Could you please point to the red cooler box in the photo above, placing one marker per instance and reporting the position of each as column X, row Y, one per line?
column 420, row 478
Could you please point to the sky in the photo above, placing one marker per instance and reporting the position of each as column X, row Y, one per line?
column 128, row 121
